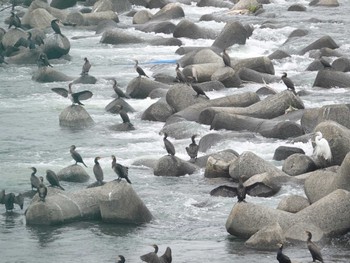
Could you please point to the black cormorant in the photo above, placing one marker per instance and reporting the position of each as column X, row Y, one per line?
column 42, row 190
column 76, row 156
column 179, row 74
column 139, row 70
column 241, row 190
column 120, row 170
column 152, row 257
column 288, row 82
column 14, row 21
column 98, row 172
column 29, row 42
column 192, row 149
column 226, row 58
column 74, row 97
column 123, row 115
column 169, row 147
column 313, row 248
column 121, row 259
column 43, row 61
column 56, row 27
column 52, row 178
column 86, row 67
column 199, row 91
column 282, row 258
column 34, row 180
column 118, row 91
column 9, row 199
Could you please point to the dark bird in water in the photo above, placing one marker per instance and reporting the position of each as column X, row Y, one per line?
column 86, row 67
column 52, row 178
column 199, row 91
column 10, row 199
column 29, row 42
column 226, row 58
column 14, row 21
column 56, row 27
column 139, row 70
column 152, row 257
column 76, row 156
column 121, row 259
column 241, row 191
column 42, row 190
column 34, row 180
column 169, row 147
column 120, row 170
column 288, row 82
column 124, row 115
column 313, row 248
column 282, row 258
column 179, row 74
column 98, row 172
column 74, row 97
column 43, row 61
column 118, row 91
column 192, row 149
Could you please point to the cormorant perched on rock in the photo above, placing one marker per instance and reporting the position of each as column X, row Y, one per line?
column 139, row 70
column 14, row 21
column 313, row 248
column 288, row 82
column 226, row 58
column 241, row 190
column 76, row 156
column 121, row 259
column 282, row 258
column 86, row 67
column 153, row 257
column 56, row 27
column 74, row 97
column 34, row 180
column 98, row 172
column 9, row 199
column 179, row 74
column 118, row 91
column 192, row 149
column 42, row 190
column 169, row 147
column 120, row 170
column 199, row 91
column 29, row 42
column 52, row 178
column 43, row 61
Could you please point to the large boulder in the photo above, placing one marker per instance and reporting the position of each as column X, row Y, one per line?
column 118, row 36
column 232, row 33
column 186, row 28
column 201, row 56
column 142, row 17
column 73, row 173
column 12, row 36
column 114, row 202
column 75, row 116
column 94, row 18
column 165, row 27
column 168, row 12
column 26, row 56
column 38, row 18
column 260, row 64
column 218, row 164
column 331, row 79
column 283, row 152
column 158, row 111
column 47, row 74
column 262, row 185
column 113, row 106
column 293, row 203
column 63, row 4
column 327, row 3
column 341, row 64
column 56, row 46
column 85, row 79
column 297, row 164
column 267, row 238
column 227, row 76
column 173, row 166
column 325, row 41
column 140, row 88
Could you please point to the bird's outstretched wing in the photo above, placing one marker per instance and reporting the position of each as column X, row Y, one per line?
column 2, row 195
column 61, row 91
column 38, row 40
column 19, row 200
column 83, row 95
column 21, row 42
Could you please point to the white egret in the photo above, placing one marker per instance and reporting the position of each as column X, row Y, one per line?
column 322, row 148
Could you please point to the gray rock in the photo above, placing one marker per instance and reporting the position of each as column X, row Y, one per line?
column 218, row 165
column 73, row 173
column 297, row 7
column 341, row 64
column 201, row 161
column 293, row 203
column 173, row 166
column 330, row 79
column 26, row 56
column 259, row 64
column 156, row 3
column 282, row 152
column 278, row 54
column 329, row 3
column 186, row 28
column 165, row 27
column 38, row 18
column 47, row 74
column 262, row 185
column 168, row 12
column 63, row 4
column 122, row 127
column 10, row 38
column 86, row 79
column 140, row 88
column 102, row 5
column 182, row 129
column 201, row 56
column 325, row 41
column 232, row 33
column 94, row 18
column 142, row 17
column 227, row 76
column 267, row 238
column 215, row 3
column 296, row 232
column 75, row 116
column 56, row 46
column 113, row 106
column 297, row 164
column 158, row 111
column 250, row 75
column 119, row 36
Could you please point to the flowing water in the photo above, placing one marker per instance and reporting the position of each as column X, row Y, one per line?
column 186, row 217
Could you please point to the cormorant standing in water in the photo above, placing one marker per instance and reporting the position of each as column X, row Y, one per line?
column 43, row 61
column 52, row 178
column 86, row 67
column 9, row 199
column 288, row 82
column 121, row 259
column 76, row 156
column 241, row 191
column 313, row 248
column 120, row 170
column 74, row 97
column 98, row 172
column 226, row 58
column 192, row 149
column 169, row 147
column 118, row 91
column 179, row 74
column 14, row 21
column 282, row 258
column 56, row 27
column 42, row 190
column 34, row 180
column 153, row 257
column 139, row 70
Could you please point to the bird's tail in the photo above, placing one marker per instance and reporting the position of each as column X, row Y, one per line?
column 83, row 162
column 128, row 180
column 61, row 187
